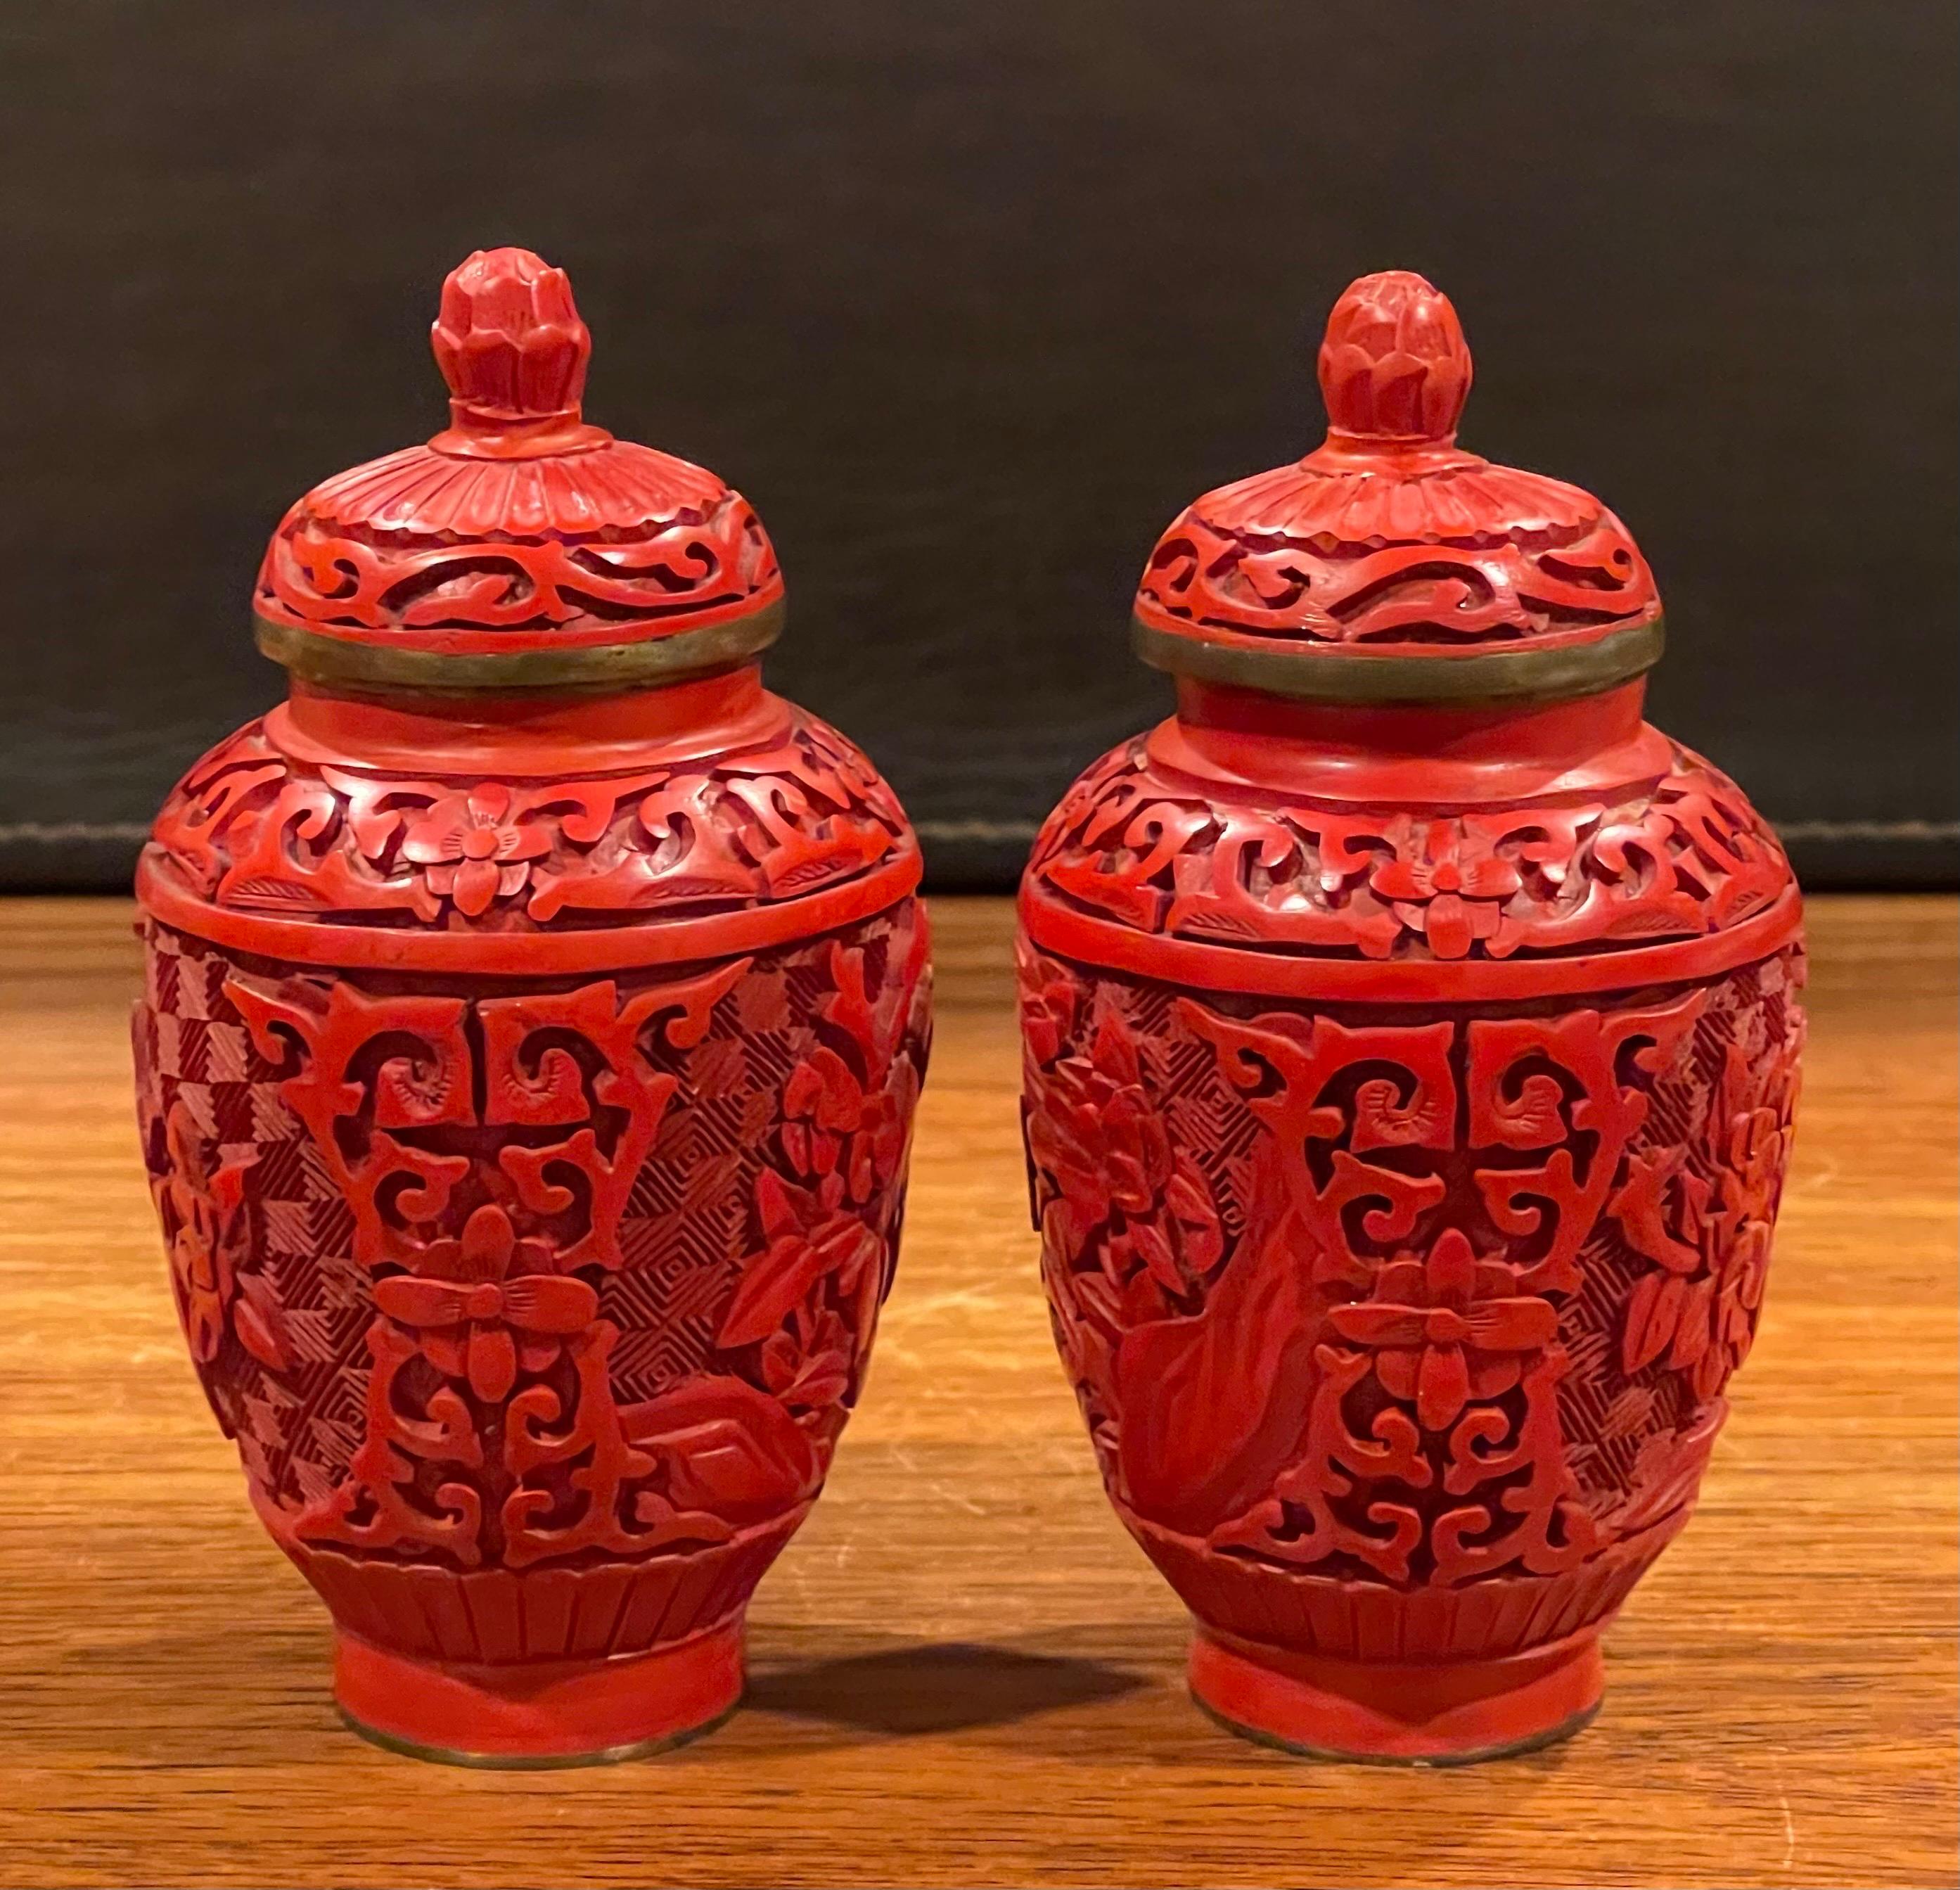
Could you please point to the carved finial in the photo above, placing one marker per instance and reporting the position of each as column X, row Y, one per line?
column 1394, row 367
column 510, row 345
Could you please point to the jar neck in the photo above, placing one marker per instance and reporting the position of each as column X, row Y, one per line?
column 520, row 732
column 1410, row 752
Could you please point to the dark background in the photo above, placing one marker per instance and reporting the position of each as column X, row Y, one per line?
column 969, row 297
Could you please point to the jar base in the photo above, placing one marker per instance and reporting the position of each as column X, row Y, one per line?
column 540, row 1714
column 1453, row 1713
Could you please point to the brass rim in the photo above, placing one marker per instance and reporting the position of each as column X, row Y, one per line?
column 1440, row 1761
column 1345, row 676
column 606, row 665
column 535, row 1762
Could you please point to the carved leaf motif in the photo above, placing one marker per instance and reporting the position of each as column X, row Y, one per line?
column 1200, row 1239
column 261, row 1326
column 728, row 1449
column 1642, row 1205
column 811, row 1248
column 1215, row 1405
column 258, row 830
column 1690, row 1331
column 1654, row 1316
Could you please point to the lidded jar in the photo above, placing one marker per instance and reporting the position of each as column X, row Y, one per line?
column 1411, row 1047
column 535, row 1010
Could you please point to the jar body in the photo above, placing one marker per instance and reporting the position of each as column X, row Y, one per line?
column 534, row 1265
column 1399, row 1253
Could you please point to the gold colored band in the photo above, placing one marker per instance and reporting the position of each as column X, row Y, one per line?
column 606, row 665
column 1346, row 675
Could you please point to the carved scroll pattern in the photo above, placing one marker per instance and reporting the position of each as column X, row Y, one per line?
column 1680, row 857
column 1414, row 1299
column 514, row 1277
column 253, row 831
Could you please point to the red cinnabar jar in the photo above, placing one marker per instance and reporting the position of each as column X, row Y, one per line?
column 1411, row 1042
column 536, row 1008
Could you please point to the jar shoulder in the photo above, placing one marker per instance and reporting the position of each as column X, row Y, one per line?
column 1646, row 845
column 346, row 824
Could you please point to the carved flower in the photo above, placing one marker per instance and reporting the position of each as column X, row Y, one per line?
column 474, row 1319
column 1104, row 1143
column 472, row 850
column 1048, row 1010
column 833, row 1128
column 827, row 1204
column 1710, row 1238
column 843, row 1145
column 1447, row 882
column 1447, row 1329
column 204, row 1220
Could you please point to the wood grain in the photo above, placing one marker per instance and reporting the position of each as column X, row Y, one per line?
column 963, row 1673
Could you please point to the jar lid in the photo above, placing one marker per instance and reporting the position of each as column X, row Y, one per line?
column 1390, row 565
column 521, row 547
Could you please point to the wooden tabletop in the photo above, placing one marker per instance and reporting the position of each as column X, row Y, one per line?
column 963, row 1673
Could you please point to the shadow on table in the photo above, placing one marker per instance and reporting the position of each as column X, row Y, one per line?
column 937, row 1687
column 257, row 1690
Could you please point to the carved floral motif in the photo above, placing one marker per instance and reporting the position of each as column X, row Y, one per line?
column 1679, row 857
column 202, row 1210
column 487, row 1303
column 1703, row 1216
column 1446, row 1329
column 478, row 1155
column 471, row 848
column 1429, row 1343
column 252, row 829
column 809, row 1298
column 1104, row 1139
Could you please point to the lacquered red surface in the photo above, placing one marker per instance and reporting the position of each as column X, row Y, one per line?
column 1427, row 1713
column 539, row 1713
column 1409, row 1091
column 526, row 1080
column 519, row 526
column 1389, row 536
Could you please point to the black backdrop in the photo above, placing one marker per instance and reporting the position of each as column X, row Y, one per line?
column 969, row 297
